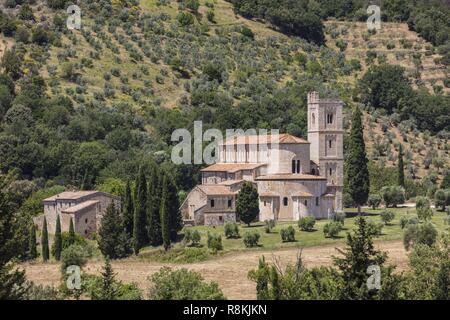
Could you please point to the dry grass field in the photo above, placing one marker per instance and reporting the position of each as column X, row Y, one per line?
column 229, row 271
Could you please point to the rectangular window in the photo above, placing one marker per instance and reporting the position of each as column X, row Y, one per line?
column 298, row 166
column 329, row 143
column 285, row 201
column 212, row 203
column 317, row 201
column 229, row 203
column 293, row 166
column 306, row 202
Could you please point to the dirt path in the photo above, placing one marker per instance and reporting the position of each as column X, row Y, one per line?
column 229, row 271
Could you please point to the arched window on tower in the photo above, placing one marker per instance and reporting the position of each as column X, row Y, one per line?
column 329, row 118
column 298, row 166
column 293, row 166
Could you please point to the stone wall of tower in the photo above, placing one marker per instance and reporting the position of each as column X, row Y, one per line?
column 326, row 135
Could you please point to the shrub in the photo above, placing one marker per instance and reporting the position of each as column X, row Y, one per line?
column 339, row 217
column 288, row 234
column 405, row 221
column 214, row 242
column 374, row 201
column 192, row 236
column 387, row 216
column 423, row 208
column 73, row 255
column 182, row 285
column 185, row 18
column 442, row 198
column 332, row 229
column 306, row 223
column 269, row 225
column 419, row 233
column 348, row 201
column 251, row 239
column 393, row 195
column 375, row 228
column 231, row 230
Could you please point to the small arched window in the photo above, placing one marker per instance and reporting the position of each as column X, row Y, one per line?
column 285, row 201
column 330, row 143
column 331, row 171
column 212, row 203
column 329, row 118
column 298, row 166
column 313, row 119
column 293, row 166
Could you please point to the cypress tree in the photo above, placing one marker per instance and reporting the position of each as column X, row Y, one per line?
column 128, row 210
column 113, row 240
column 173, row 208
column 401, row 169
column 154, row 202
column 165, row 223
column 32, row 242
column 357, row 172
column 247, row 203
column 71, row 238
column 57, row 244
column 140, row 238
column 108, row 289
column 44, row 241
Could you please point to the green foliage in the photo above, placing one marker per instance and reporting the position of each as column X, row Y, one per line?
column 154, row 218
column 71, row 239
column 44, row 241
column 185, row 19
column 231, row 230
column 33, row 246
column 33, row 205
column 269, row 225
column 214, row 242
column 356, row 170
column 74, row 255
column 442, row 198
column 423, row 208
column 290, row 17
column 307, row 223
column 57, row 240
column 112, row 186
column 251, row 239
column 182, row 284
column 165, row 222
column 113, row 241
column 406, row 220
column 374, row 201
column 332, row 229
column 108, row 289
column 247, row 203
column 400, row 167
column 393, row 195
column 339, row 217
column 415, row 234
column 288, row 234
column 128, row 210
column 140, row 213
column 375, row 228
column 192, row 236
column 387, row 216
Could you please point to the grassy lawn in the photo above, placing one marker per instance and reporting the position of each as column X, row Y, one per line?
column 271, row 241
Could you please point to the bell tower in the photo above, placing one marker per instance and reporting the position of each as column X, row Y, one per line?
column 326, row 135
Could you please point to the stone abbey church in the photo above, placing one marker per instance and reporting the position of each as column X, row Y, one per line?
column 295, row 178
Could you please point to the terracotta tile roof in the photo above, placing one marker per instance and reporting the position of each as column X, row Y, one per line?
column 70, row 195
column 304, row 194
column 264, row 139
column 328, row 195
column 290, row 176
column 215, row 190
column 268, row 194
column 230, row 182
column 79, row 207
column 232, row 167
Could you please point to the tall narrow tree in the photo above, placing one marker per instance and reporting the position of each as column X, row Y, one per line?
column 44, row 241
column 32, row 242
column 113, row 240
column 57, row 243
column 173, row 207
column 165, row 221
column 357, row 172
column 154, row 203
column 401, row 168
column 140, row 238
column 128, row 210
column 71, row 238
column 108, row 288
column 247, row 203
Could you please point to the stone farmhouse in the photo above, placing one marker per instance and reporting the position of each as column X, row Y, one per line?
column 86, row 208
column 294, row 177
